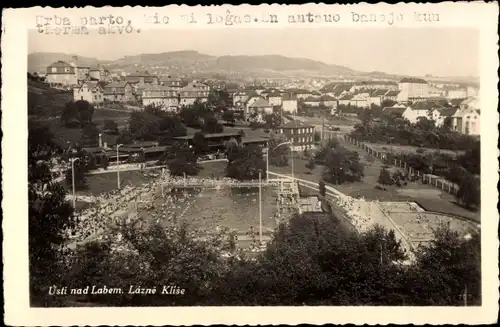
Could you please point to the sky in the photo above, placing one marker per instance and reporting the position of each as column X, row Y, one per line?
column 415, row 51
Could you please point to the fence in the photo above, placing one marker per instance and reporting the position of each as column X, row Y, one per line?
column 433, row 180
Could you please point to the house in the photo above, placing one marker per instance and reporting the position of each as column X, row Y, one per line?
column 99, row 73
column 163, row 96
column 468, row 122
column 375, row 85
column 302, row 94
column 289, row 103
column 240, row 97
column 413, row 88
column 361, row 99
column 376, row 96
column 82, row 71
column 261, row 106
column 172, row 82
column 142, row 78
column 439, row 115
column 421, row 109
column 328, row 101
column 301, row 135
column 472, row 102
column 345, row 100
column 119, row 91
column 252, row 97
column 312, row 101
column 274, row 99
column 89, row 91
column 396, row 110
column 192, row 92
column 61, row 72
column 391, row 95
column 460, row 93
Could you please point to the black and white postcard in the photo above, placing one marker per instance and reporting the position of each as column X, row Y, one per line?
column 250, row 164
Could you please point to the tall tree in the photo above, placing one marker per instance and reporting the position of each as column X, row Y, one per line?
column 278, row 154
column 80, row 110
column 246, row 162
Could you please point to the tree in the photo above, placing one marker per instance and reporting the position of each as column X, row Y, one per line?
column 447, row 123
column 143, row 126
column 49, row 213
column 90, row 136
column 322, row 188
column 384, row 178
column 342, row 166
column 125, row 137
column 273, row 120
column 469, row 192
column 180, row 159
column 228, row 116
column 200, row 143
column 211, row 125
column 110, row 127
column 80, row 110
column 310, row 164
column 245, row 162
column 278, row 154
column 444, row 268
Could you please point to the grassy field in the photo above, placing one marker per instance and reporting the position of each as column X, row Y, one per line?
column 428, row 197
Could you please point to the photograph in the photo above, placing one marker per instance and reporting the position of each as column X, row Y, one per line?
column 255, row 167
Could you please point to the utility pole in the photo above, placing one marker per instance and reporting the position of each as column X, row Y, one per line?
column 381, row 262
column 465, row 295
column 260, row 208
column 323, row 130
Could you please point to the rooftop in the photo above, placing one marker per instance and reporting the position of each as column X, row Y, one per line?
column 413, row 80
column 260, row 103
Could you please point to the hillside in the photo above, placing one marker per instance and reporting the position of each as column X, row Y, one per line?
column 190, row 61
column 44, row 101
column 38, row 61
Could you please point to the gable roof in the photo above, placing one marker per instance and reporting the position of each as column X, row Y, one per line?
column 395, row 110
column 312, row 99
column 326, row 97
column 392, row 93
column 289, row 97
column 121, row 84
column 260, row 103
column 448, row 112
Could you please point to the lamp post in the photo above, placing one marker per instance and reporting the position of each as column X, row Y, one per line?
column 260, row 208
column 118, row 164
column 267, row 158
column 73, row 179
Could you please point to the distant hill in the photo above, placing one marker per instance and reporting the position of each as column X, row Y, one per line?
column 38, row 61
column 193, row 60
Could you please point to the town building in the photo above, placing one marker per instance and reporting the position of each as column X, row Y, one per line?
column 239, row 98
column 300, row 135
column 163, row 96
column 142, row 78
column 260, row 106
column 99, row 73
column 119, row 91
column 328, row 101
column 61, row 72
column 274, row 99
column 468, row 122
column 312, row 101
column 460, row 93
column 172, row 82
column 289, row 103
column 376, row 96
column 302, row 94
column 89, row 91
column 375, row 85
column 392, row 96
column 192, row 92
column 413, row 88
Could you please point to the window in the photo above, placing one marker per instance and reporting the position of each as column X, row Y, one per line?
column 81, row 98
column 66, row 69
column 54, row 69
